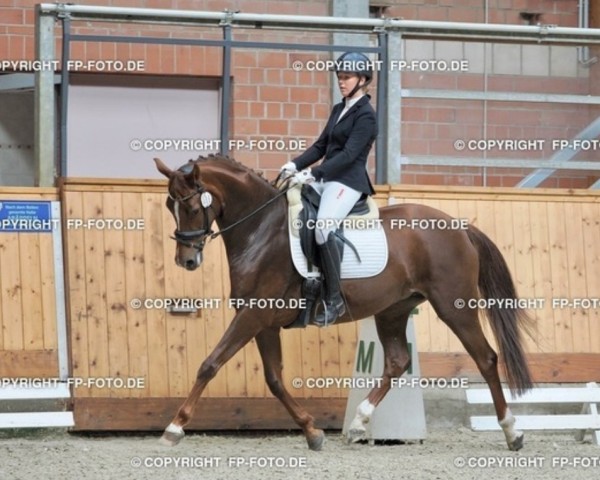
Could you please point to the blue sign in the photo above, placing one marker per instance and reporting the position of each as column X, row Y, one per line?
column 26, row 216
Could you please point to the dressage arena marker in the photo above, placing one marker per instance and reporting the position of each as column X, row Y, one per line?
column 58, row 390
column 587, row 420
column 401, row 414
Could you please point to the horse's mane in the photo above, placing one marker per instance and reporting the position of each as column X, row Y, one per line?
column 231, row 162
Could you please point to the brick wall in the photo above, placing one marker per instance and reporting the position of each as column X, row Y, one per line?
column 272, row 101
column 430, row 127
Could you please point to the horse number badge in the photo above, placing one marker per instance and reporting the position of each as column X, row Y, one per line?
column 206, row 199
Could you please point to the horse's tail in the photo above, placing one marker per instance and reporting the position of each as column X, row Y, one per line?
column 495, row 281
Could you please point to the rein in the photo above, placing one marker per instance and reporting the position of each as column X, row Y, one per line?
column 185, row 237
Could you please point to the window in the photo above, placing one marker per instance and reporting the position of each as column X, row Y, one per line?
column 118, row 123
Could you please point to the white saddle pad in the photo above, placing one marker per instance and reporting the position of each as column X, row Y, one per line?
column 371, row 245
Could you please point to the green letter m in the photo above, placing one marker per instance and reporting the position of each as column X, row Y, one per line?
column 364, row 362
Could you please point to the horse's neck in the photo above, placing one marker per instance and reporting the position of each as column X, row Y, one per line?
column 241, row 196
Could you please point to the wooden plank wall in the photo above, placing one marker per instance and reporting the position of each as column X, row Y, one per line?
column 550, row 238
column 28, row 341
column 551, row 242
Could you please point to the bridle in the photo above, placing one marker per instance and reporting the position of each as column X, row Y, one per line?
column 185, row 237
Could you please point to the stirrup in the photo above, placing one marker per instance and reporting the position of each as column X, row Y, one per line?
column 324, row 319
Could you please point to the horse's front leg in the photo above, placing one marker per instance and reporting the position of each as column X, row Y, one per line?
column 269, row 346
column 243, row 328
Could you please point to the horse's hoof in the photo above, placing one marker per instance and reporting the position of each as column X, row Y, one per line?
column 517, row 443
column 315, row 442
column 170, row 438
column 356, row 434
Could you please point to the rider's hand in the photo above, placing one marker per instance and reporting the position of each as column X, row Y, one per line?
column 304, row 176
column 289, row 169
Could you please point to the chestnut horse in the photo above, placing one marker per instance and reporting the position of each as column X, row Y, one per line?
column 439, row 266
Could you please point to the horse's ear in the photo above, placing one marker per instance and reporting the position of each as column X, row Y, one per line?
column 162, row 168
column 196, row 173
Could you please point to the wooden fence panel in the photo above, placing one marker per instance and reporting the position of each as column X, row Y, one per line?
column 591, row 238
column 549, row 239
column 28, row 338
column 135, row 288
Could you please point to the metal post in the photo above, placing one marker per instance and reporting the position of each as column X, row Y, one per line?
column 226, row 91
column 59, row 296
column 382, row 81
column 64, row 94
column 44, row 101
column 393, row 132
column 534, row 179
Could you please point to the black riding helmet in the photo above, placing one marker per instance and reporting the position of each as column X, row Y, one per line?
column 358, row 63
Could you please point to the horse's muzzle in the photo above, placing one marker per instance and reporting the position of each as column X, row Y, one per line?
column 190, row 263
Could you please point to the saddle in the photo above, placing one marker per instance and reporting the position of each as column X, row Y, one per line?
column 303, row 207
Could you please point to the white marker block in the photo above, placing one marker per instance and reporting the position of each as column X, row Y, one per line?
column 401, row 414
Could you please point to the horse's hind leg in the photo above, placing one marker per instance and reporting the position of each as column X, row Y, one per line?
column 391, row 330
column 269, row 346
column 465, row 325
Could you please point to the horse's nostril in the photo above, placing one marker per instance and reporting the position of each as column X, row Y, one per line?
column 190, row 264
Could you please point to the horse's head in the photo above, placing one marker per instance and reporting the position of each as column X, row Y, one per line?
column 190, row 203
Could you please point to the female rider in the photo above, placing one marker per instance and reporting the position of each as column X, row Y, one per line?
column 341, row 179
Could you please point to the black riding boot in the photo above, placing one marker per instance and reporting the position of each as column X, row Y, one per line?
column 333, row 303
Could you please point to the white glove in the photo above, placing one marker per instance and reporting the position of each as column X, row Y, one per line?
column 304, row 176
column 289, row 169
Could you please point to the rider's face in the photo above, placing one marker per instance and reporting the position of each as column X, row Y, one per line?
column 347, row 82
